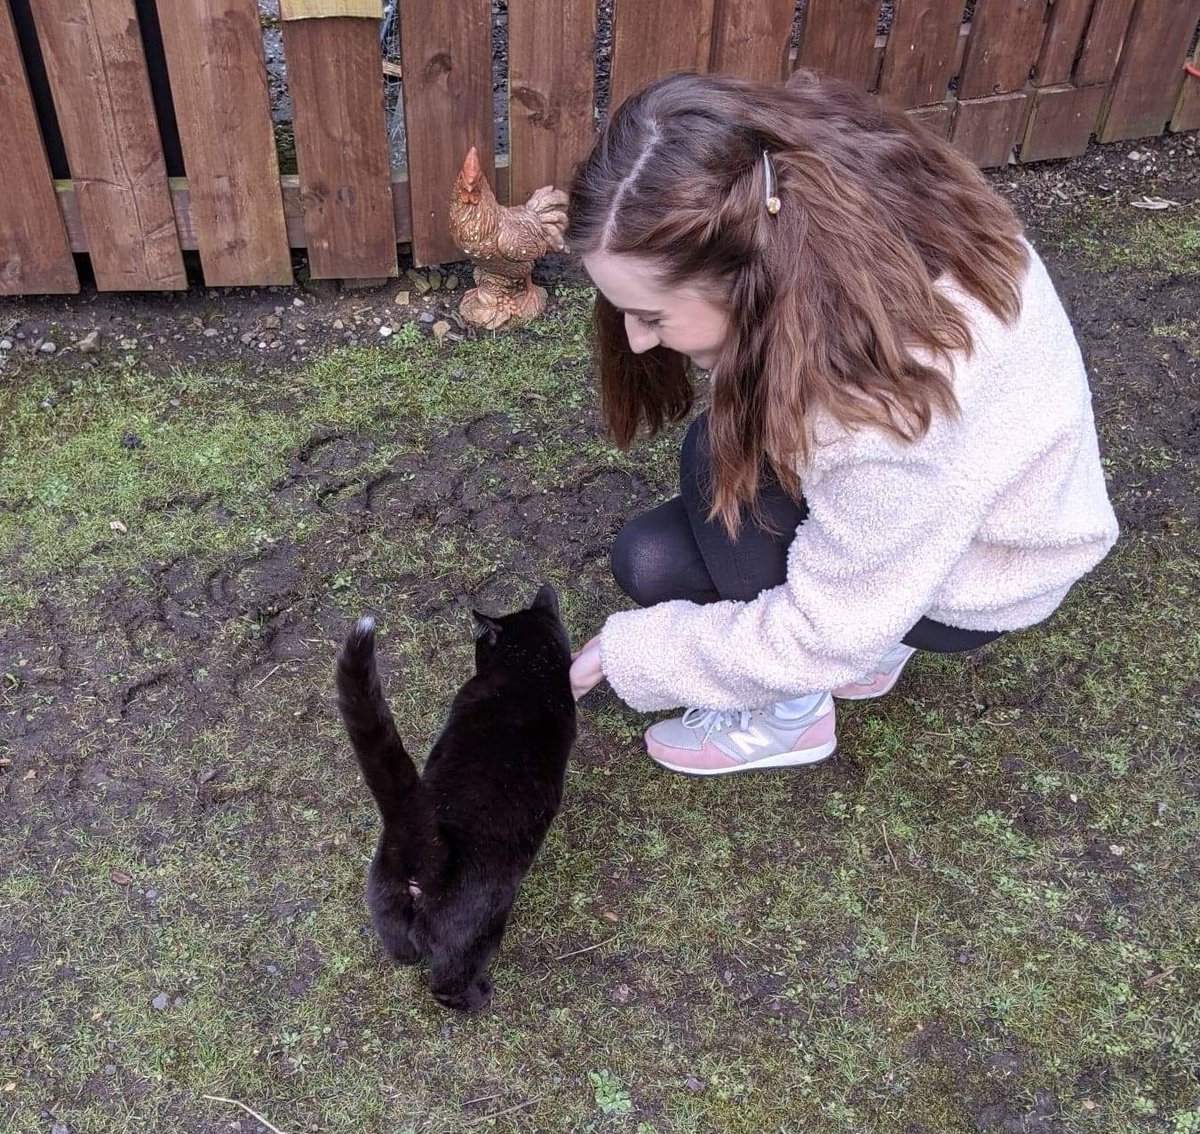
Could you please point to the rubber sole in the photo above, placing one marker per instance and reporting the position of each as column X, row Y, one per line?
column 765, row 763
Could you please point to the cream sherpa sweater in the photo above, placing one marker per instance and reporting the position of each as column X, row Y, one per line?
column 984, row 523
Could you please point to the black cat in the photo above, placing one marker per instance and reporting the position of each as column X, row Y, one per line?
column 458, row 839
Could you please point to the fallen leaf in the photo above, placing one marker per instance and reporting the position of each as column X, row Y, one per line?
column 117, row 526
column 608, row 915
column 120, row 878
column 1153, row 203
column 1088, row 1104
column 30, row 775
column 204, row 777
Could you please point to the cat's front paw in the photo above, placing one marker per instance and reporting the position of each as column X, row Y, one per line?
column 474, row 998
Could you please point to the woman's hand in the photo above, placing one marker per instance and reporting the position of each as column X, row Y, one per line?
column 586, row 673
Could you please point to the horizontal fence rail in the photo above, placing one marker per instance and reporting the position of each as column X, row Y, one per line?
column 139, row 131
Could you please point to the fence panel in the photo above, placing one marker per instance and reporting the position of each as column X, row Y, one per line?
column 335, row 75
column 986, row 129
column 1186, row 115
column 551, row 83
column 652, row 38
column 447, row 59
column 751, row 40
column 1006, row 36
column 1061, row 121
column 1150, row 70
column 1064, row 35
column 219, row 85
column 97, row 71
column 837, row 38
column 35, row 255
column 921, row 51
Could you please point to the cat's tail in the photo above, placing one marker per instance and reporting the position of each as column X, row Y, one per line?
column 387, row 768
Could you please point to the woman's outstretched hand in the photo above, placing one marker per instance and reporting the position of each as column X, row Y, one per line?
column 586, row 673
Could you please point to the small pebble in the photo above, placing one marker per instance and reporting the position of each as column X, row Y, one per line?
column 48, row 347
column 427, row 317
column 211, row 332
column 441, row 329
column 297, row 302
column 160, row 1002
column 385, row 331
column 6, row 344
column 451, row 282
column 60, row 1128
column 271, row 321
column 151, row 895
column 90, row 343
column 338, row 325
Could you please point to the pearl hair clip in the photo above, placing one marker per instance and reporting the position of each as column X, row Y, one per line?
column 773, row 202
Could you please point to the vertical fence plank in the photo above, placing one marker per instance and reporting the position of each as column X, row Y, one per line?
column 837, row 38
column 652, row 38
column 1061, row 122
column 751, row 40
column 446, row 53
column 551, row 83
column 1006, row 36
column 97, row 70
column 219, row 84
column 1064, row 35
column 920, row 57
column 1097, row 61
column 1186, row 115
column 1150, row 71
column 35, row 255
column 335, row 76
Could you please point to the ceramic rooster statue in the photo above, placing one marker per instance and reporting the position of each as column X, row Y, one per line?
column 503, row 242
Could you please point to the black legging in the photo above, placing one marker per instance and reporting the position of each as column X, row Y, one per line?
column 675, row 552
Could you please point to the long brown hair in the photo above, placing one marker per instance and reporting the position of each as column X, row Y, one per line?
column 832, row 303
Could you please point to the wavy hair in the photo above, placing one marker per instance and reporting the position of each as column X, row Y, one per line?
column 832, row 302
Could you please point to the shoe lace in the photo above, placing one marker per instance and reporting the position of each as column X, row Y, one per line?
column 714, row 720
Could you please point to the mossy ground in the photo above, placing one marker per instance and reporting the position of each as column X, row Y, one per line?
column 980, row 916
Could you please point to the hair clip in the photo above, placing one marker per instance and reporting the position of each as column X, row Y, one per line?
column 773, row 202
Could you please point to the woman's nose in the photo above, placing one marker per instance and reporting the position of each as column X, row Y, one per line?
column 641, row 338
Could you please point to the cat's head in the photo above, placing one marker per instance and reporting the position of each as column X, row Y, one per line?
column 534, row 633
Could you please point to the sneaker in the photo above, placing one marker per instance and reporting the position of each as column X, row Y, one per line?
column 708, row 742
column 880, row 682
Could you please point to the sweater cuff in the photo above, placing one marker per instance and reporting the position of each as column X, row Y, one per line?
column 627, row 646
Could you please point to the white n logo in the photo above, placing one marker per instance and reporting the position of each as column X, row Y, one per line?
column 749, row 740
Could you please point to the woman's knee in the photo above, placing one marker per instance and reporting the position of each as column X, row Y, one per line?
column 654, row 558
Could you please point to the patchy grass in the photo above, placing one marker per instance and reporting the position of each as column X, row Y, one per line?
column 1107, row 233
column 978, row 917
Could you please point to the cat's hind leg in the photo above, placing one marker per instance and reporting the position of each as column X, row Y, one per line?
column 458, row 975
column 393, row 916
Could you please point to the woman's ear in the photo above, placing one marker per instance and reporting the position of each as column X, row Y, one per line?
column 486, row 627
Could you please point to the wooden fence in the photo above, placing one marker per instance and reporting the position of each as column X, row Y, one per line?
column 112, row 89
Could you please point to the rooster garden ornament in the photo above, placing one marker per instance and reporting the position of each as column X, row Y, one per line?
column 503, row 243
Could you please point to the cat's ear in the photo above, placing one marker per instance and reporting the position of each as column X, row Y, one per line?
column 546, row 599
column 486, row 627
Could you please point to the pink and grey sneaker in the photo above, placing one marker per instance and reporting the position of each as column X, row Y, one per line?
column 708, row 742
column 887, row 673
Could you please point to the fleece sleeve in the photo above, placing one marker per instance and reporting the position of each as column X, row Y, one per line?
column 882, row 534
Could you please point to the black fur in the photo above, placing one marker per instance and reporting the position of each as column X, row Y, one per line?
column 458, row 839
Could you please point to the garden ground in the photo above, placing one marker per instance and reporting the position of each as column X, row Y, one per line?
column 981, row 915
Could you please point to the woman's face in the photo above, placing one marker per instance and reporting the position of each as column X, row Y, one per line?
column 682, row 319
